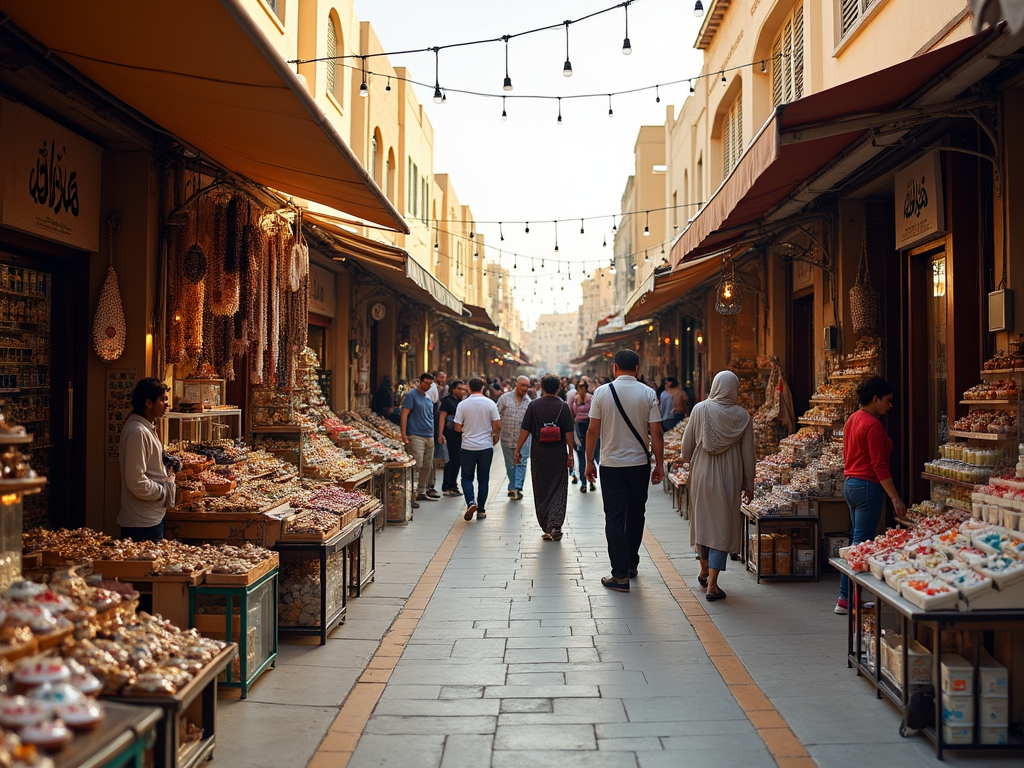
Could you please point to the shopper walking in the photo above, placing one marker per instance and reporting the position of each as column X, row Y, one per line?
column 147, row 485
column 452, row 440
column 580, row 407
column 665, row 405
column 548, row 424
column 478, row 421
column 719, row 444
column 418, row 434
column 624, row 414
column 866, row 453
column 511, row 409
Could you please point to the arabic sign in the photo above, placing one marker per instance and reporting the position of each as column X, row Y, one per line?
column 49, row 179
column 323, row 295
column 919, row 208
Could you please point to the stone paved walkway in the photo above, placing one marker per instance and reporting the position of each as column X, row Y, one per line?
column 482, row 645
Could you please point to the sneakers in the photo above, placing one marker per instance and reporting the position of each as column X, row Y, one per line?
column 519, row 495
column 480, row 514
column 470, row 511
column 421, row 497
column 574, row 478
column 593, row 487
column 415, row 505
column 583, row 487
column 512, row 495
column 842, row 606
column 432, row 494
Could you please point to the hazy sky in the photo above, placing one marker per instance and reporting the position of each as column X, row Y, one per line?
column 529, row 167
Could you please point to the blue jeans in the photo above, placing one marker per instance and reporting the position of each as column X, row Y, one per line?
column 149, row 533
column 717, row 558
column 478, row 463
column 516, row 474
column 582, row 427
column 865, row 499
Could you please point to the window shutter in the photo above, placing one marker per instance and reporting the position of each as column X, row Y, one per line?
column 727, row 144
column 798, row 51
column 779, row 65
column 850, row 13
column 737, row 131
column 332, row 50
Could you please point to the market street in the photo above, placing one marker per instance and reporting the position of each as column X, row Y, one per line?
column 519, row 657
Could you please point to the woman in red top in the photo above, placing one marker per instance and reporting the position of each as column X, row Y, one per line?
column 866, row 452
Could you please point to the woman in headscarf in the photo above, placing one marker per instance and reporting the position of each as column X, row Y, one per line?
column 719, row 444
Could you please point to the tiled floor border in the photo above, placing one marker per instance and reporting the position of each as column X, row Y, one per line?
column 340, row 742
column 785, row 748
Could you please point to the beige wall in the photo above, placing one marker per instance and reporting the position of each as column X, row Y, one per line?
column 648, row 195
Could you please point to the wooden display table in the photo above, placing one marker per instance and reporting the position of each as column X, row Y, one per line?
column 118, row 742
column 332, row 556
column 680, row 491
column 198, row 702
column 910, row 619
column 249, row 619
column 260, row 528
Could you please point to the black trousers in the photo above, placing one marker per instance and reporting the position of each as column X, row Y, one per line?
column 624, row 492
column 450, row 481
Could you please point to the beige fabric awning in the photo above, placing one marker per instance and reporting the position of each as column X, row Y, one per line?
column 204, row 72
column 661, row 290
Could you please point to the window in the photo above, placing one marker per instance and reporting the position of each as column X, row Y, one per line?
column 414, row 187
column 424, row 198
column 852, row 11
column 788, row 58
column 732, row 136
column 373, row 159
column 389, row 175
column 332, row 51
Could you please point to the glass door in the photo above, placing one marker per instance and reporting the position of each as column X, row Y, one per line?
column 938, row 399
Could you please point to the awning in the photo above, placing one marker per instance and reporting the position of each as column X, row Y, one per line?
column 391, row 264
column 593, row 351
column 790, row 148
column 205, row 72
column 604, row 321
column 478, row 316
column 619, row 335
column 660, row 290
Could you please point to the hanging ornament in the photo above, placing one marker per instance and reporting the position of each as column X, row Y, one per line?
column 299, row 257
column 108, row 328
column 223, row 271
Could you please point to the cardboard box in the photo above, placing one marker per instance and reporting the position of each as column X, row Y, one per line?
column 994, row 710
column 803, row 552
column 802, row 508
column 957, row 710
column 834, row 543
column 993, row 734
column 782, row 544
column 993, row 679
column 767, row 564
column 956, row 735
column 957, row 676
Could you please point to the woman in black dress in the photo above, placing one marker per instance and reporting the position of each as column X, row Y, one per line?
column 550, row 454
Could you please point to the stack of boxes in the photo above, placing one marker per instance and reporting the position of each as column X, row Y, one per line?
column 959, row 713
column 782, row 555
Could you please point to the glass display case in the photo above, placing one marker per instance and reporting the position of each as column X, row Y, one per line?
column 398, row 492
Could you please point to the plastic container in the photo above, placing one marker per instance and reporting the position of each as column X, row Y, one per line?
column 957, row 710
column 957, row 676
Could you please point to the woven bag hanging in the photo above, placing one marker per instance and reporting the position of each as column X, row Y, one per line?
column 864, row 299
column 108, row 327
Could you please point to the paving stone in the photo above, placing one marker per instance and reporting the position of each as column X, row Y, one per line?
column 649, row 744
column 441, row 673
column 481, row 649
column 423, row 751
column 517, row 643
column 437, row 708
column 526, row 737
column 539, row 691
column 536, row 655
column 564, row 759
column 526, row 705
column 393, row 690
column 251, row 735
column 464, row 750
column 535, row 678
column 459, row 692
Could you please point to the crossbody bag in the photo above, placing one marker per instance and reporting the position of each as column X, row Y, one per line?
column 618, row 404
column 551, row 432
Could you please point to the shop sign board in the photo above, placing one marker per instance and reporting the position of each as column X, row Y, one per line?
column 49, row 179
column 919, row 205
column 323, row 291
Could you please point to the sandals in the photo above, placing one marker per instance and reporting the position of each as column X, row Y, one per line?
column 556, row 534
column 703, row 581
column 546, row 536
column 718, row 594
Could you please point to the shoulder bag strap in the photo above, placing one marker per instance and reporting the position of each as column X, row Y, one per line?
column 618, row 404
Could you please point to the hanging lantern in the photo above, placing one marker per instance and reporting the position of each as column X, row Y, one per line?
column 727, row 295
column 109, row 329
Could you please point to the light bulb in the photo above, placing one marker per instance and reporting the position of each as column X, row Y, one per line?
column 626, row 47
column 363, row 90
column 764, row 66
column 691, row 87
column 508, row 84
column 698, row 9
column 567, row 69
column 610, row 113
column 727, row 292
column 504, row 115
column 723, row 80
column 437, row 94
column 647, row 231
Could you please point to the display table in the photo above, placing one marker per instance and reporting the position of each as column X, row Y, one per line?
column 118, row 742
column 198, row 700
column 331, row 557
column 909, row 619
column 197, row 427
column 766, row 524
column 259, row 528
column 680, row 491
column 249, row 619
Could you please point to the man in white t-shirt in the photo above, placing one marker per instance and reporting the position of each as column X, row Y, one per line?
column 625, row 462
column 478, row 420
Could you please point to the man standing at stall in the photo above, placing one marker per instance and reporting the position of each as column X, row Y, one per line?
column 512, row 408
column 418, row 436
column 147, row 488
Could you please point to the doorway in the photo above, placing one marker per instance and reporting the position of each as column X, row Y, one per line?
column 801, row 352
